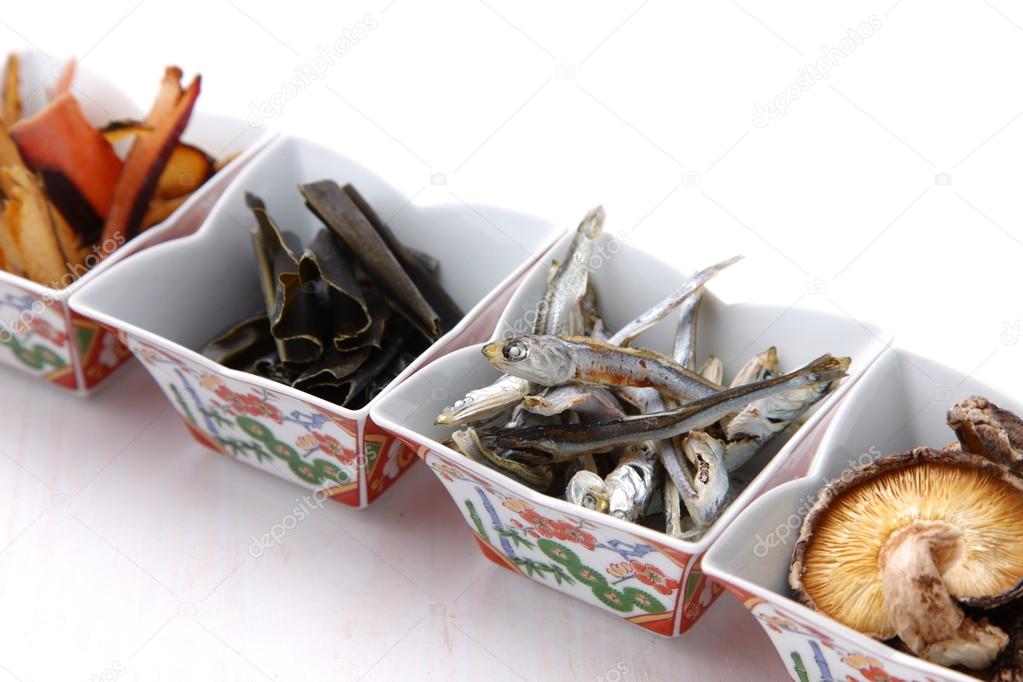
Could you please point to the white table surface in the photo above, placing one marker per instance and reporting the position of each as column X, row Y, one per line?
column 890, row 191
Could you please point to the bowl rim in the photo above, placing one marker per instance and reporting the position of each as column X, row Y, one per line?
column 153, row 234
column 810, row 481
column 752, row 491
column 285, row 140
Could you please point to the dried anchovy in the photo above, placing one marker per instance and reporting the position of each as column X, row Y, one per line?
column 654, row 315
column 468, row 441
column 566, row 442
column 556, row 360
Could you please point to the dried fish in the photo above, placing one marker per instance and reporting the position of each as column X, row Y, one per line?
column 760, row 420
column 713, row 369
column 586, row 489
column 469, row 443
column 568, row 285
column 590, row 403
column 553, row 360
column 555, row 314
column 761, row 366
column 631, row 484
column 710, row 480
column 566, row 442
column 654, row 315
column 484, row 403
column 605, row 419
column 684, row 348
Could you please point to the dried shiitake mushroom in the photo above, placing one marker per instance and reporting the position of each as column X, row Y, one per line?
column 893, row 549
column 986, row 429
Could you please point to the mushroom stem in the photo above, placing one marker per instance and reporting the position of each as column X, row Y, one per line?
column 926, row 617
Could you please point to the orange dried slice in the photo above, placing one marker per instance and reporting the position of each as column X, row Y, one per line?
column 149, row 156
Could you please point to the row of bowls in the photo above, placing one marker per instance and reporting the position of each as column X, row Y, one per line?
column 165, row 294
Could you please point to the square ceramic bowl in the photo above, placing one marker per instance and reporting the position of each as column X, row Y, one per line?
column 899, row 404
column 169, row 301
column 47, row 339
column 625, row 569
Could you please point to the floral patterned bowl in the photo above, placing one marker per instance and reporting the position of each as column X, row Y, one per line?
column 631, row 571
column 39, row 333
column 899, row 404
column 186, row 292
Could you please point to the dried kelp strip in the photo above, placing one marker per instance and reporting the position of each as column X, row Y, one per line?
column 294, row 318
column 380, row 316
column 332, row 370
column 380, row 358
column 345, row 318
column 428, row 262
column 241, row 346
column 337, row 210
column 344, row 302
column 422, row 274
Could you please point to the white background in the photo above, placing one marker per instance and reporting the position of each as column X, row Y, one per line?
column 889, row 191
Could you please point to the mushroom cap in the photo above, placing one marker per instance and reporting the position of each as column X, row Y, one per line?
column 835, row 567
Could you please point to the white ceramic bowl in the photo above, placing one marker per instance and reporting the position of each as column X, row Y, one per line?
column 171, row 300
column 660, row 585
column 57, row 345
column 899, row 404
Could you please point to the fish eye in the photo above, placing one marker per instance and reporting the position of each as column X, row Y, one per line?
column 515, row 350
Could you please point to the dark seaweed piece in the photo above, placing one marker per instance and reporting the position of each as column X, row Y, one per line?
column 343, row 302
column 381, row 358
column 333, row 369
column 271, row 367
column 243, row 344
column 337, row 210
column 423, row 274
column 294, row 318
column 429, row 263
column 379, row 314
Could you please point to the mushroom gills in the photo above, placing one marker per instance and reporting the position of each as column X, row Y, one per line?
column 895, row 548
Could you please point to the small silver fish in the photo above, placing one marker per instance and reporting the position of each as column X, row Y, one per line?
column 557, row 312
column 672, row 509
column 586, row 489
column 486, row 402
column 568, row 285
column 538, row 477
column 684, row 349
column 710, row 479
column 556, row 360
column 767, row 416
column 631, row 483
column 759, row 367
column 661, row 310
column 565, row 442
column 759, row 421
column 713, row 369
column 589, row 402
